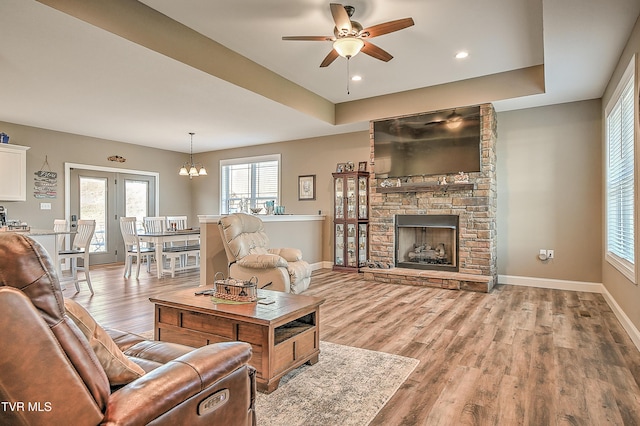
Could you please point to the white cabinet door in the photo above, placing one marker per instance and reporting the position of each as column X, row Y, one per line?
column 13, row 172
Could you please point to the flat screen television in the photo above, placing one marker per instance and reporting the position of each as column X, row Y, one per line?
column 434, row 143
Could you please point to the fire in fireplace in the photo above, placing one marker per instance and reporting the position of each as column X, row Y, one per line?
column 427, row 242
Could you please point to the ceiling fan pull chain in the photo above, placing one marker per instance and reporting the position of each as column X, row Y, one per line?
column 348, row 76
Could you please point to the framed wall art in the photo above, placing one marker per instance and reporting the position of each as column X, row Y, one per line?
column 307, row 187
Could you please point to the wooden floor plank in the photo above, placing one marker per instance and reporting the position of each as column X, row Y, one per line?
column 515, row 356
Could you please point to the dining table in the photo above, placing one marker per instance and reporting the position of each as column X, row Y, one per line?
column 159, row 239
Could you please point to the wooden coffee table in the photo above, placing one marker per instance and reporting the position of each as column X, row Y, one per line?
column 283, row 335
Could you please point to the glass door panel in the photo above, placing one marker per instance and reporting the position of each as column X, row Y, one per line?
column 136, row 195
column 351, row 198
column 351, row 245
column 339, row 241
column 362, row 244
column 339, row 201
column 93, row 206
column 362, row 198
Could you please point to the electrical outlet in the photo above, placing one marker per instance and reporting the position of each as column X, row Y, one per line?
column 550, row 254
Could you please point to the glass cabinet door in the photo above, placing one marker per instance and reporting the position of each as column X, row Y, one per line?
column 351, row 198
column 362, row 244
column 339, row 201
column 339, row 242
column 351, row 245
column 362, row 198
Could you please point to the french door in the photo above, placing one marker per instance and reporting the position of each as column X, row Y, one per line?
column 105, row 195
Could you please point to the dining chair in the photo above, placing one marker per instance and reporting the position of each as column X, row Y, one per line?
column 176, row 223
column 154, row 224
column 79, row 250
column 60, row 225
column 133, row 246
column 179, row 223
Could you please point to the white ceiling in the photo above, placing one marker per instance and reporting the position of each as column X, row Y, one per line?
column 61, row 73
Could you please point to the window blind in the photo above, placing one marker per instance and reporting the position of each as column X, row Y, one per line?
column 620, row 178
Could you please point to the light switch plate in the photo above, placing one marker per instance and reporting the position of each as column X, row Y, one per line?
column 45, row 206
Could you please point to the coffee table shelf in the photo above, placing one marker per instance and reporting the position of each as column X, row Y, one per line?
column 283, row 335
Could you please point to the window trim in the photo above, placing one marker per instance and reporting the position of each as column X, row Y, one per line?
column 626, row 268
column 245, row 160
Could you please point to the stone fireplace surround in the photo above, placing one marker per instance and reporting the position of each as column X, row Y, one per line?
column 475, row 203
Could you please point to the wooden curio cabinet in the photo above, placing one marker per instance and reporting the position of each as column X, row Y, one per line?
column 351, row 220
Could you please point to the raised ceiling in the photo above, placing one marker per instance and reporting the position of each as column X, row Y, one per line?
column 148, row 73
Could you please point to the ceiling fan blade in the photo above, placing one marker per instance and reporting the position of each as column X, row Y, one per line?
column 341, row 18
column 309, row 38
column 329, row 58
column 387, row 27
column 376, row 52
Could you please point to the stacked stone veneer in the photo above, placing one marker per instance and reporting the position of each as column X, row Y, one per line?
column 476, row 209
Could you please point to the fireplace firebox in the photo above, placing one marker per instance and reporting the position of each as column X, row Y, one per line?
column 427, row 242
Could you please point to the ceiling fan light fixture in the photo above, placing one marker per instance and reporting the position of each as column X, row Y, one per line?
column 454, row 120
column 348, row 47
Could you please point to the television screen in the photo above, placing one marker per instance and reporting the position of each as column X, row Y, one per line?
column 435, row 143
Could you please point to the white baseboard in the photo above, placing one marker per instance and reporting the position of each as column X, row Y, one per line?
column 551, row 283
column 629, row 327
column 321, row 265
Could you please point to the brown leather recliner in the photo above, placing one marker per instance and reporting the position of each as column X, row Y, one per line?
column 50, row 375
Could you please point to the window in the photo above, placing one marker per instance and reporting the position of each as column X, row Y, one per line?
column 621, row 177
column 248, row 182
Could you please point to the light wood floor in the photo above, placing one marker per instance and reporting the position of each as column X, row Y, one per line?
column 516, row 356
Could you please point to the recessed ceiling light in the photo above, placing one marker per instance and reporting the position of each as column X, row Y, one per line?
column 356, row 78
column 461, row 55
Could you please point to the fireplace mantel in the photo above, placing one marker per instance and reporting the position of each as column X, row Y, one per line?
column 425, row 187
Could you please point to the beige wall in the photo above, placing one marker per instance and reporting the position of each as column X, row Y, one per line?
column 625, row 293
column 549, row 187
column 315, row 156
column 549, row 192
column 58, row 148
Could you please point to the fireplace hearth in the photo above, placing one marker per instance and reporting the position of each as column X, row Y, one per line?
column 427, row 242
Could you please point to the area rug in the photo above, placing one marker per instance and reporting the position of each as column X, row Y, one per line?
column 348, row 386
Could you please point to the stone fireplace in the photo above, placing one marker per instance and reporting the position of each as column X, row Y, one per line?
column 471, row 264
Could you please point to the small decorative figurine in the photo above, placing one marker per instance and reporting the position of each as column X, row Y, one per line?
column 461, row 177
column 442, row 180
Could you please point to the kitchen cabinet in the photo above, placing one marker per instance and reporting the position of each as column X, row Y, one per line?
column 13, row 172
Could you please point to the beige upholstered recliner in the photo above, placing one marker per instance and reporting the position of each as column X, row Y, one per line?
column 246, row 245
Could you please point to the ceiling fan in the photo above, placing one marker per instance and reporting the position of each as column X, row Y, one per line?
column 350, row 37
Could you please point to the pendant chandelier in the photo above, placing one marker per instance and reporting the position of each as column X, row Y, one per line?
column 192, row 169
